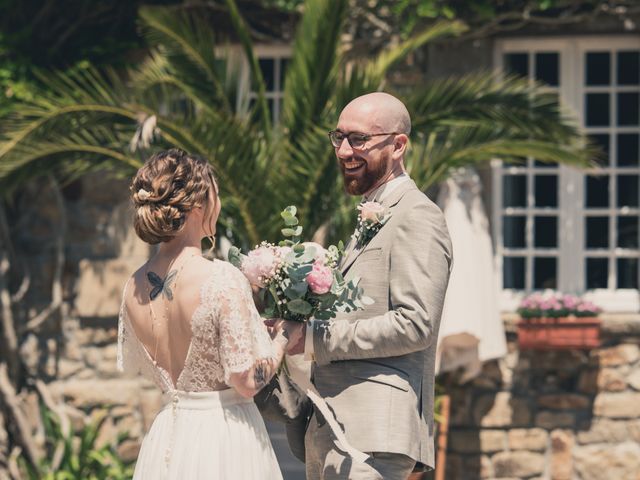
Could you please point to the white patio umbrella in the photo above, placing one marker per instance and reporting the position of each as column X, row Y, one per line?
column 471, row 330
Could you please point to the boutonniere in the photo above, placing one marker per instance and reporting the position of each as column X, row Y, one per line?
column 371, row 219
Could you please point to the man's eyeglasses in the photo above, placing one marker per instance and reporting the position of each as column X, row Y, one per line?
column 355, row 139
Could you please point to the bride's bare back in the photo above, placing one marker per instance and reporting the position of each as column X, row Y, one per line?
column 195, row 341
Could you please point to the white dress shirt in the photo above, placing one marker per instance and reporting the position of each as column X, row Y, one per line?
column 377, row 195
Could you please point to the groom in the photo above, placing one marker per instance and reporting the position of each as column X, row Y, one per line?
column 375, row 367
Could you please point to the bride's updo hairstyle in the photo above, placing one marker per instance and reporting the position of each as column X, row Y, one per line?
column 166, row 188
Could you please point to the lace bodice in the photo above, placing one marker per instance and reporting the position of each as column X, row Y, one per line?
column 228, row 336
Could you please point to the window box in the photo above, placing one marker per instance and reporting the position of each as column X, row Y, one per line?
column 547, row 333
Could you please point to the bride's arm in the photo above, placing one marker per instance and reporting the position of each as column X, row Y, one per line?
column 250, row 382
column 250, row 353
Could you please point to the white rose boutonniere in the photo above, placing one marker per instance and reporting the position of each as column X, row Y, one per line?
column 371, row 219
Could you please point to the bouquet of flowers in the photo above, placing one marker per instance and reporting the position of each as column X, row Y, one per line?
column 299, row 280
column 553, row 304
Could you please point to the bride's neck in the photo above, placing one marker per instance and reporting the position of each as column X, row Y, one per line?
column 185, row 243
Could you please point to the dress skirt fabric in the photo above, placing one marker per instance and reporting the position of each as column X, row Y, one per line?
column 207, row 435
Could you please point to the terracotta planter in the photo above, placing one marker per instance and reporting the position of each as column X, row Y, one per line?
column 559, row 333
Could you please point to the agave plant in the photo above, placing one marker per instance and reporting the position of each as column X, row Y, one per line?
column 185, row 94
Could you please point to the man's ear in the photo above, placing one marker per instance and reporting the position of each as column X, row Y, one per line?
column 400, row 144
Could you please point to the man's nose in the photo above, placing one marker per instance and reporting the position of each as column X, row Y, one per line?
column 344, row 150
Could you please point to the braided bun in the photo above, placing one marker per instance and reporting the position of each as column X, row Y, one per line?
column 167, row 187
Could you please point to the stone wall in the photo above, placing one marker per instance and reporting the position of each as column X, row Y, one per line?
column 561, row 415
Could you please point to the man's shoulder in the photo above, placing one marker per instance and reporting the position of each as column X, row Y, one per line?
column 414, row 200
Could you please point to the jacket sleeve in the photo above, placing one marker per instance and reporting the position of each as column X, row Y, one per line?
column 420, row 263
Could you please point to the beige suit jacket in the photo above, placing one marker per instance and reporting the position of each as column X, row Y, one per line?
column 375, row 367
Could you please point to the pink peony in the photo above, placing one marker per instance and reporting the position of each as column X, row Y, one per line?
column 372, row 211
column 260, row 265
column 284, row 251
column 320, row 278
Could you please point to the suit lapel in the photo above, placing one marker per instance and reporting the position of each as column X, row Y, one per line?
column 391, row 201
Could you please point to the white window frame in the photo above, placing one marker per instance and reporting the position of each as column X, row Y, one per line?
column 570, row 251
column 276, row 51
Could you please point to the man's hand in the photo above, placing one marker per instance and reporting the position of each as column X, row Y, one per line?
column 295, row 332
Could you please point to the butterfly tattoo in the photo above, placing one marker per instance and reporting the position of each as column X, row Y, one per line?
column 160, row 285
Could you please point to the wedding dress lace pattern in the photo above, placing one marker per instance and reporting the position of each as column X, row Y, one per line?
column 206, row 430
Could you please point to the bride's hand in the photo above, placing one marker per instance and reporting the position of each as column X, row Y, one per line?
column 275, row 327
column 295, row 333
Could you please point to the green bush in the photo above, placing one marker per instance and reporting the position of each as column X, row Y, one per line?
column 76, row 456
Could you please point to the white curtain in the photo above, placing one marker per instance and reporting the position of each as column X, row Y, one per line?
column 471, row 330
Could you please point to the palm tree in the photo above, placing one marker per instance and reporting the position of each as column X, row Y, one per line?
column 186, row 93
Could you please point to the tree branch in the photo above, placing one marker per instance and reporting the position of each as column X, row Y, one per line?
column 56, row 286
column 23, row 431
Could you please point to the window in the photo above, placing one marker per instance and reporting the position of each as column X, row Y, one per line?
column 273, row 61
column 560, row 227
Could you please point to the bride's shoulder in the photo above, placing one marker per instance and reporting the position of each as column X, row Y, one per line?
column 221, row 273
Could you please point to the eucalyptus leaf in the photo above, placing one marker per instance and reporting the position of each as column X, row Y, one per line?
column 300, row 272
column 296, row 290
column 367, row 300
column 300, row 306
column 235, row 257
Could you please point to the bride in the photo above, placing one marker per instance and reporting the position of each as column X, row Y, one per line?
column 191, row 326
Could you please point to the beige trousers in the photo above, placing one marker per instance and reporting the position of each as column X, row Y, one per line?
column 324, row 461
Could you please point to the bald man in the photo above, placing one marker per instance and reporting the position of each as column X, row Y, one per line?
column 375, row 367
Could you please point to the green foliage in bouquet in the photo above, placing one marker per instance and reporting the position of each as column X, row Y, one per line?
column 299, row 280
column 76, row 455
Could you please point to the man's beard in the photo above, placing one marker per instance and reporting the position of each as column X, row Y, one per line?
column 365, row 181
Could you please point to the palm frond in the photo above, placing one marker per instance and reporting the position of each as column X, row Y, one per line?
column 365, row 77
column 510, row 103
column 436, row 155
column 311, row 78
column 187, row 46
column 240, row 26
column 388, row 58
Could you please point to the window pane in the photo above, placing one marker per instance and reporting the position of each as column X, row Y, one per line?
column 513, row 273
column 596, row 232
column 271, row 106
column 544, row 273
column 267, row 65
column 597, row 191
column 539, row 164
column 628, row 191
column 597, row 272
column 597, row 109
column 547, row 68
column 627, row 232
column 628, row 104
column 627, row 272
column 598, row 68
column 545, row 232
column 546, row 190
column 284, row 64
column 601, row 140
column 514, row 193
column 514, row 231
column 628, row 68
column 628, row 149
column 517, row 63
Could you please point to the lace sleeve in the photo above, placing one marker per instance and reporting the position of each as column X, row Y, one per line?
column 244, row 339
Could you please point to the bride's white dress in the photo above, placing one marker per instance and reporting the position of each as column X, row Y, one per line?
column 203, row 431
